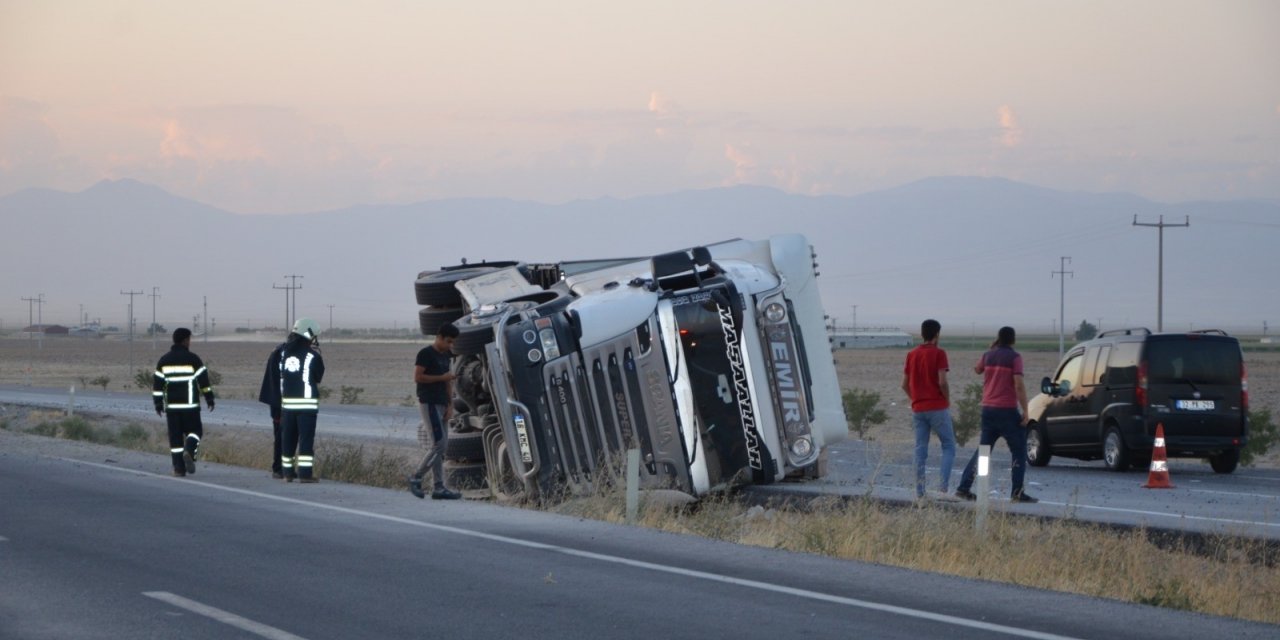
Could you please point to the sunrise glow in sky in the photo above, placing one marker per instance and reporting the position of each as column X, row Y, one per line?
column 297, row 106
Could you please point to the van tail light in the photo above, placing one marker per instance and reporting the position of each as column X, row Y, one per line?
column 1140, row 394
column 1244, row 388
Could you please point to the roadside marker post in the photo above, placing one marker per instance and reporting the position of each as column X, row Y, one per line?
column 984, row 486
column 71, row 402
column 633, row 484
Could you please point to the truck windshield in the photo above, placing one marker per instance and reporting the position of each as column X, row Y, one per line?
column 717, row 375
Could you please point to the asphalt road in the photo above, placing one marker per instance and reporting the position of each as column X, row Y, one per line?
column 1245, row 503
column 95, row 545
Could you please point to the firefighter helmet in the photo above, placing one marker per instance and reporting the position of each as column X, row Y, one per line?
column 307, row 328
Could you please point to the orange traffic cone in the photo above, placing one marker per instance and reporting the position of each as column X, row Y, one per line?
column 1158, row 478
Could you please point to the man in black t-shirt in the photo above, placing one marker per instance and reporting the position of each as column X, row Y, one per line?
column 431, row 371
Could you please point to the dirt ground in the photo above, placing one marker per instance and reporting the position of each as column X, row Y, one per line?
column 383, row 369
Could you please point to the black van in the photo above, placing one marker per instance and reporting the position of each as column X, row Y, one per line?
column 1109, row 393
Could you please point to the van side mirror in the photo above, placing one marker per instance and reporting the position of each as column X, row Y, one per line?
column 1046, row 386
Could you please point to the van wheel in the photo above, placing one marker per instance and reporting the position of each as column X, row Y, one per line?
column 1037, row 446
column 1225, row 462
column 1114, row 453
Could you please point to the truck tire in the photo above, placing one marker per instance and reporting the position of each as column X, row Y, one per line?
column 430, row 319
column 464, row 447
column 436, row 289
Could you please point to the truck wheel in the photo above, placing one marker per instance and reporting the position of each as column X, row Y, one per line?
column 464, row 447
column 1225, row 462
column 1114, row 453
column 1037, row 446
column 436, row 289
column 463, row 476
column 430, row 319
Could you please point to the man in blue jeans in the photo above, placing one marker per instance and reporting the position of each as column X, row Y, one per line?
column 433, row 374
column 924, row 380
column 1003, row 396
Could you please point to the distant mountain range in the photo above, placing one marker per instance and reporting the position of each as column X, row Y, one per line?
column 973, row 252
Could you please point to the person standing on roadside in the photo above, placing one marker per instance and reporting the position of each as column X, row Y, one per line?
column 180, row 379
column 269, row 395
column 301, row 371
column 1004, row 413
column 924, row 380
column 434, row 377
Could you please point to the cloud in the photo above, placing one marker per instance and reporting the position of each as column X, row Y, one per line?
column 1011, row 135
column 26, row 136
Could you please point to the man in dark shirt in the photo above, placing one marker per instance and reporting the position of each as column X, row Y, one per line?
column 432, row 373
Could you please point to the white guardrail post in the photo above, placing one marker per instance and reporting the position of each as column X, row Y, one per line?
column 984, row 487
column 633, row 484
column 71, row 402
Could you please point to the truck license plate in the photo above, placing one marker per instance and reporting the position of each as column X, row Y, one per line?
column 1194, row 405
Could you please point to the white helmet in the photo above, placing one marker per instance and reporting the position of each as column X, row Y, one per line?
column 307, row 328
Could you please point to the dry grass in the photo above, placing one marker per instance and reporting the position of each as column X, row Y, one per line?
column 1232, row 578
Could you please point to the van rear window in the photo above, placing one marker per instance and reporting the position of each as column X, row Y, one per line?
column 1198, row 361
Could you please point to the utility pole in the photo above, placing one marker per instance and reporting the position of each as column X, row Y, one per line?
column 330, row 318
column 1062, row 301
column 288, row 289
column 206, row 319
column 855, row 322
column 155, row 293
column 31, row 322
column 131, row 294
column 1160, row 263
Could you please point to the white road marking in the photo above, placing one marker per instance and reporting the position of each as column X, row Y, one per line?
column 1237, row 493
column 3, row 539
column 639, row 564
column 1159, row 514
column 225, row 617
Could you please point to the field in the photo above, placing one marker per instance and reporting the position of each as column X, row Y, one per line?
column 382, row 369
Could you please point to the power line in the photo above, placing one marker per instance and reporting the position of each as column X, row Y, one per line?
column 1062, row 274
column 1160, row 263
column 131, row 294
column 38, row 301
column 155, row 293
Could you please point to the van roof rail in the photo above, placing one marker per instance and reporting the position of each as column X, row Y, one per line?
column 1125, row 332
column 1213, row 331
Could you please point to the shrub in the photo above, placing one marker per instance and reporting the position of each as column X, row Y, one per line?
column 324, row 392
column 862, row 409
column 144, row 379
column 350, row 395
column 100, row 381
column 1262, row 436
column 968, row 419
column 134, row 436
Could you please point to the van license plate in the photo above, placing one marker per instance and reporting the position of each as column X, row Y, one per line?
column 1194, row 405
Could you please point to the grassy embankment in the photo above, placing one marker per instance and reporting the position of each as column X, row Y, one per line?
column 1228, row 577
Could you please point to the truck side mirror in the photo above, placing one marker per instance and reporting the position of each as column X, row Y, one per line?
column 1046, row 386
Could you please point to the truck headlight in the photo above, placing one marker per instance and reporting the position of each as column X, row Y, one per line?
column 550, row 346
column 802, row 447
column 775, row 312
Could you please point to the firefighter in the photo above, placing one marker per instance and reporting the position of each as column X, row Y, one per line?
column 179, row 380
column 301, row 370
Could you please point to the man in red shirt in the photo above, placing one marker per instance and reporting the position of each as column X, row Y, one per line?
column 924, row 380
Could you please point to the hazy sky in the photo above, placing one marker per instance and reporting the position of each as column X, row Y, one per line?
column 293, row 106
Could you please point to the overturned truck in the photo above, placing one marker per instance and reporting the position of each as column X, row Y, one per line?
column 714, row 362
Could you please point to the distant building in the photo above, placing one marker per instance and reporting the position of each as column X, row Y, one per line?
column 870, row 339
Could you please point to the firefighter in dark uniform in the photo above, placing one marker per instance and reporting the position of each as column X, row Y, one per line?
column 269, row 395
column 180, row 379
column 301, row 370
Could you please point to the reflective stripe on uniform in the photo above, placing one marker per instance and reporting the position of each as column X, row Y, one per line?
column 177, row 450
column 177, row 368
column 158, row 394
column 182, row 406
column 305, row 461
